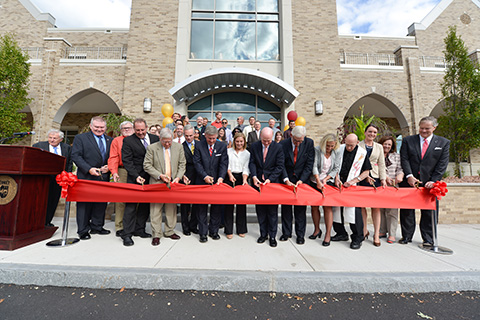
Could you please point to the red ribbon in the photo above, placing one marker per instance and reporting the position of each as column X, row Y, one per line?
column 66, row 180
column 272, row 193
column 439, row 189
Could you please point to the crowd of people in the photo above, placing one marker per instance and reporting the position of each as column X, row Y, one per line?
column 211, row 153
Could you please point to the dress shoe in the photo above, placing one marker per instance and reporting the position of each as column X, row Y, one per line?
column 101, row 231
column 355, row 245
column 174, row 236
column 427, row 244
column 203, row 238
column 85, row 236
column 142, row 234
column 187, row 233
column 382, row 235
column 284, row 237
column 315, row 236
column 404, row 241
column 339, row 237
column 261, row 239
column 273, row 242
column 195, row 231
column 214, row 236
column 300, row 240
column 377, row 244
column 367, row 234
column 49, row 225
column 127, row 241
column 155, row 241
column 119, row 233
column 325, row 243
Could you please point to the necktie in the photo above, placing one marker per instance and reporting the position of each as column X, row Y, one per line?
column 265, row 151
column 192, row 147
column 424, row 147
column 179, row 140
column 55, row 150
column 145, row 144
column 295, row 153
column 101, row 146
column 168, row 167
column 211, row 150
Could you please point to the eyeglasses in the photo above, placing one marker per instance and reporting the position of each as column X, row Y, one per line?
column 224, row 122
column 127, row 128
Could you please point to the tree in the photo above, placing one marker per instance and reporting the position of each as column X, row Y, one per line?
column 461, row 93
column 358, row 125
column 14, row 81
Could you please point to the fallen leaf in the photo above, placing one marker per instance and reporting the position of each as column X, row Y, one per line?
column 254, row 298
column 310, row 308
column 1, row 300
column 424, row 316
column 229, row 306
column 123, row 289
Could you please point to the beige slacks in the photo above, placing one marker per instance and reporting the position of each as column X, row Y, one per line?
column 156, row 219
column 120, row 206
column 389, row 221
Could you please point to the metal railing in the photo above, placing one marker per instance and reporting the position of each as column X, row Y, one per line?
column 96, row 53
column 34, row 52
column 375, row 59
column 432, row 62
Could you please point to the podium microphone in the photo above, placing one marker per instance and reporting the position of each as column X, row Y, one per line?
column 23, row 134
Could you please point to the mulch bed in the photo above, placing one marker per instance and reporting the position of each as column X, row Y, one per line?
column 466, row 179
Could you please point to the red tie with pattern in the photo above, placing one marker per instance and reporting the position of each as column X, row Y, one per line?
column 211, row 150
column 295, row 153
column 424, row 147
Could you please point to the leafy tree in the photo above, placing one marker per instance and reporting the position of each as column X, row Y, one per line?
column 14, row 82
column 461, row 93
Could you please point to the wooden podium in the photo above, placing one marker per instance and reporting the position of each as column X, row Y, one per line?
column 24, row 182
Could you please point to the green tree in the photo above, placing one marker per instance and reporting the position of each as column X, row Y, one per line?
column 461, row 93
column 358, row 124
column 14, row 81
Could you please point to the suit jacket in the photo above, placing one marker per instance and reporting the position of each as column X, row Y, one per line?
column 154, row 163
column 86, row 155
column 252, row 137
column 273, row 166
column 215, row 166
column 434, row 163
column 133, row 155
column 377, row 160
column 318, row 164
column 65, row 149
column 190, row 171
column 302, row 169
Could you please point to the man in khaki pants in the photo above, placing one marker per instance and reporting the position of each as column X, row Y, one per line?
column 165, row 163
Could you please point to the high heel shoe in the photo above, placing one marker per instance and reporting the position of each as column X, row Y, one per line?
column 367, row 234
column 325, row 243
column 377, row 244
column 315, row 236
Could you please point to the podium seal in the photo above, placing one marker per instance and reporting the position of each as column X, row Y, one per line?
column 8, row 189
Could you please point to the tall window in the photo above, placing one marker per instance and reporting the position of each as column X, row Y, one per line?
column 235, row 104
column 235, row 30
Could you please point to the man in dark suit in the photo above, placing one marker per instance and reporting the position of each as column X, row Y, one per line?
column 266, row 165
column 211, row 163
column 424, row 161
column 55, row 145
column 133, row 153
column 90, row 153
column 254, row 136
column 188, row 211
column 299, row 155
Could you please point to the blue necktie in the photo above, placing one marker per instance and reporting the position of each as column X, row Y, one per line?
column 55, row 150
column 102, row 147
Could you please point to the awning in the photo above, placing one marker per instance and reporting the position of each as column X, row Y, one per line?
column 241, row 79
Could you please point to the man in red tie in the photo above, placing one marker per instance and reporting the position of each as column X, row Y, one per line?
column 424, row 161
column 299, row 155
column 179, row 137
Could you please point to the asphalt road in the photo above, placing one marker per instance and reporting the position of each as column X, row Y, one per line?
column 32, row 302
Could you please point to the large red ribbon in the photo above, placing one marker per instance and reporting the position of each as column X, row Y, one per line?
column 66, row 180
column 272, row 193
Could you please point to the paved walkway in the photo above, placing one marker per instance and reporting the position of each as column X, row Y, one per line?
column 240, row 264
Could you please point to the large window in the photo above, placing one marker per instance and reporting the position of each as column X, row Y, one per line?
column 235, row 30
column 232, row 105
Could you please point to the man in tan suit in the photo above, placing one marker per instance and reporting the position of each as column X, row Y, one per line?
column 165, row 163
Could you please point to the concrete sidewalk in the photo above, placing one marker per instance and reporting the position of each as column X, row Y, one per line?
column 240, row 264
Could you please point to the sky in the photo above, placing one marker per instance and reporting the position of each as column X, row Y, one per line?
column 373, row 17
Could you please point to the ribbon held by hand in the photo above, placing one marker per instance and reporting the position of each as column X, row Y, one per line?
column 66, row 180
column 439, row 189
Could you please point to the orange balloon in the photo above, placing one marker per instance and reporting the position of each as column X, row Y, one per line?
column 286, row 128
column 167, row 110
column 166, row 121
column 300, row 121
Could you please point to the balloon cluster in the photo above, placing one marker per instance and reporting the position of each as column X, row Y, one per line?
column 65, row 180
column 293, row 116
column 167, row 111
column 439, row 189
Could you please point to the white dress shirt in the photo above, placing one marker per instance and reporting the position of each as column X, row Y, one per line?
column 59, row 150
column 238, row 162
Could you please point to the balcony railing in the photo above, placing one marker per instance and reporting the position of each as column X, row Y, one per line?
column 432, row 62
column 373, row 59
column 34, row 52
column 96, row 53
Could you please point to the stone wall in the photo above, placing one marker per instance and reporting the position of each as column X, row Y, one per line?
column 460, row 204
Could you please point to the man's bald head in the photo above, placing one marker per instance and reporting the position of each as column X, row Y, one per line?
column 351, row 142
column 266, row 136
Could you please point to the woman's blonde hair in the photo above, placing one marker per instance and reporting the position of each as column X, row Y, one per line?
column 239, row 135
column 329, row 137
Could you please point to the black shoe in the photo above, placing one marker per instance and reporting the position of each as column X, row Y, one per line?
column 119, row 233
column 49, row 225
column 101, row 231
column 273, row 242
column 315, row 236
column 194, row 231
column 142, row 234
column 214, row 236
column 85, row 236
column 203, row 238
column 127, row 241
column 261, row 239
column 325, row 243
column 187, row 233
column 300, row 240
column 355, row 245
column 404, row 241
column 339, row 237
column 284, row 237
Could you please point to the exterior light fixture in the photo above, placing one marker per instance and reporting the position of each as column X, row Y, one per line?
column 147, row 105
column 318, row 107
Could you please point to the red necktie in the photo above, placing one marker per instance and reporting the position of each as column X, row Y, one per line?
column 211, row 150
column 265, row 151
column 295, row 153
column 424, row 147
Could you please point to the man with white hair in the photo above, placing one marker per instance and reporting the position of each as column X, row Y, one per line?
column 54, row 144
column 299, row 155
